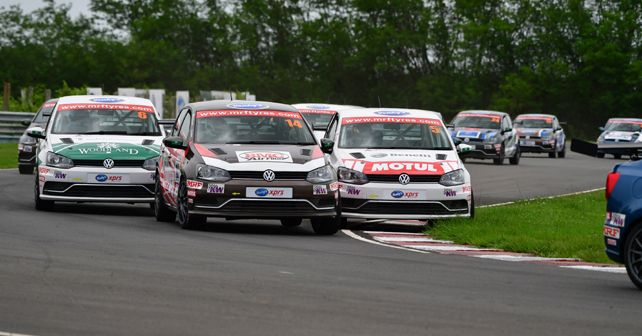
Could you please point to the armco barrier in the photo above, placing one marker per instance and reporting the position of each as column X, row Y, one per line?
column 11, row 125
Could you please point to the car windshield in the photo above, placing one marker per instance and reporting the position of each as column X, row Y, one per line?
column 133, row 120
column 534, row 123
column 477, row 121
column 318, row 120
column 624, row 126
column 252, row 127
column 395, row 133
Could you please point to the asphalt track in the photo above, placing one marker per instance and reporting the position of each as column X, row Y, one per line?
column 112, row 270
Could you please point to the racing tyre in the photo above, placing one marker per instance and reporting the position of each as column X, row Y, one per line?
column 552, row 155
column 326, row 225
column 472, row 205
column 25, row 170
column 185, row 220
column 161, row 211
column 291, row 222
column 515, row 159
column 633, row 256
column 500, row 159
column 617, row 156
column 600, row 155
column 562, row 153
column 41, row 204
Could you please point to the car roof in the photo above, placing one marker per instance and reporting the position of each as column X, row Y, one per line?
column 324, row 107
column 94, row 99
column 240, row 105
column 389, row 112
column 536, row 115
column 627, row 119
column 484, row 112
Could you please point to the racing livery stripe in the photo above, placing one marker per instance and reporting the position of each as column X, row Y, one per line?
column 204, row 151
column 367, row 120
column 247, row 113
column 142, row 108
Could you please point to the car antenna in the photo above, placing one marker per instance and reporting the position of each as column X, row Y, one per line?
column 231, row 96
column 379, row 99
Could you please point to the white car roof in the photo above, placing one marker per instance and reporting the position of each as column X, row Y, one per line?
column 535, row 115
column 627, row 119
column 389, row 112
column 322, row 106
column 91, row 99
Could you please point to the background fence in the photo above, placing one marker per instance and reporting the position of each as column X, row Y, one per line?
column 13, row 124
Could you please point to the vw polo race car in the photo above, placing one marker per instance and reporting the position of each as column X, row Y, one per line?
column 490, row 134
column 618, row 135
column 28, row 146
column 97, row 149
column 319, row 115
column 397, row 164
column 238, row 159
column 540, row 133
column 623, row 224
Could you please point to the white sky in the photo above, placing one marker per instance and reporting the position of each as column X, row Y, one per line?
column 78, row 6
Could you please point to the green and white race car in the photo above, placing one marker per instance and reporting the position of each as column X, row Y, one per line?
column 97, row 149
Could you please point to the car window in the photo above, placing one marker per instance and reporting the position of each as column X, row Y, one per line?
column 179, row 120
column 506, row 123
column 490, row 121
column 183, row 132
column 400, row 133
column 332, row 130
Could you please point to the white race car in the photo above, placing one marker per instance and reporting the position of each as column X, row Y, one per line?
column 97, row 149
column 397, row 164
column 319, row 115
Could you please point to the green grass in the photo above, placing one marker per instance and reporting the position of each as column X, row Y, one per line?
column 8, row 155
column 564, row 227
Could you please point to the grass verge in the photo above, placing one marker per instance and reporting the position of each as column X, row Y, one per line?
column 563, row 227
column 8, row 155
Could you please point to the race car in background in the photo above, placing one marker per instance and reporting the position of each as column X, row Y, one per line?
column 618, row 135
column 242, row 159
column 28, row 146
column 540, row 133
column 397, row 164
column 490, row 135
column 97, row 149
column 623, row 223
column 319, row 115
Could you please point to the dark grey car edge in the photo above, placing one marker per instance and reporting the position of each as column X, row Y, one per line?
column 28, row 146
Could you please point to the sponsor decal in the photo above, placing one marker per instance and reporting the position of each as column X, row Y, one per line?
column 466, row 189
column 334, row 186
column 109, row 178
column 244, row 113
column 60, row 175
column 310, row 111
column 350, row 190
column 130, row 107
column 49, row 105
column 43, row 170
column 247, row 106
column 392, row 113
column 262, row 192
column 256, row 156
column 152, row 176
column 468, row 134
column 193, row 184
column 191, row 193
column 399, row 120
column 101, row 177
column 319, row 189
column 107, row 100
column 373, row 196
column 421, row 168
column 615, row 219
column 76, row 179
column 405, row 195
column 397, row 194
column 450, row 193
column 214, row 188
column 318, row 107
column 378, row 155
column 611, row 242
column 190, row 200
column 611, row 232
column 42, row 179
column 625, row 121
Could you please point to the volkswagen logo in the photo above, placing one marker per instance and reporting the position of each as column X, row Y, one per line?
column 108, row 163
column 466, row 139
column 404, row 179
column 269, row 175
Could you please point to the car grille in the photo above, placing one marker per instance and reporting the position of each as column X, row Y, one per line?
column 258, row 175
column 619, row 140
column 404, row 208
column 107, row 191
column 530, row 137
column 117, row 163
column 395, row 178
column 272, row 207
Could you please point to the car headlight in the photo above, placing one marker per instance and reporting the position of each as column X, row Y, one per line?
column 212, row 174
column 547, row 135
column 352, row 176
column 150, row 164
column 324, row 174
column 490, row 137
column 635, row 137
column 59, row 161
column 453, row 178
column 27, row 140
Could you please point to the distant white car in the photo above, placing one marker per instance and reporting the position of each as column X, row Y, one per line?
column 319, row 115
column 97, row 149
column 620, row 136
column 397, row 164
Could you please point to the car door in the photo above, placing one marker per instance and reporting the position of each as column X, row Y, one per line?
column 171, row 176
column 331, row 133
column 510, row 140
column 560, row 137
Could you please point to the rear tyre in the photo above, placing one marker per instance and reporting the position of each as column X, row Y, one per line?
column 291, row 222
column 41, row 204
column 600, row 155
column 25, row 170
column 186, row 220
column 326, row 225
column 515, row 159
column 161, row 211
column 633, row 256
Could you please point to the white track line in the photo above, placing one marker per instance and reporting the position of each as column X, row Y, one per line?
column 357, row 237
column 4, row 333
column 539, row 198
column 609, row 269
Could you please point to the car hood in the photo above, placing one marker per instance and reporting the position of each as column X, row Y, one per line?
column 473, row 133
column 534, row 132
column 261, row 157
column 395, row 161
column 99, row 147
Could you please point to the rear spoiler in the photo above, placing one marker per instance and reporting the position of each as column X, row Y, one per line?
column 591, row 148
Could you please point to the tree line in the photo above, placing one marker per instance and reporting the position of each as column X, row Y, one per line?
column 579, row 59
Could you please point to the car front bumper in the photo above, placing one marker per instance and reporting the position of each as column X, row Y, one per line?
column 536, row 146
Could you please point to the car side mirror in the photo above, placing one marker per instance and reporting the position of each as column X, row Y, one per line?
column 327, row 145
column 36, row 132
column 174, row 142
column 25, row 122
column 558, row 128
column 457, row 141
column 601, row 128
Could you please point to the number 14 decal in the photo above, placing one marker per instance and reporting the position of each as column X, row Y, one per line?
column 295, row 123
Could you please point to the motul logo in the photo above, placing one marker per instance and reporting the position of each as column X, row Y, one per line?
column 403, row 166
column 264, row 156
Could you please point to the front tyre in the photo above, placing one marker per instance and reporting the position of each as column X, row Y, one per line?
column 186, row 220
column 515, row 159
column 161, row 211
column 500, row 160
column 291, row 222
column 41, row 204
column 562, row 153
column 326, row 225
column 633, row 256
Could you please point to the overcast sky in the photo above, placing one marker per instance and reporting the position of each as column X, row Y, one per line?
column 78, row 6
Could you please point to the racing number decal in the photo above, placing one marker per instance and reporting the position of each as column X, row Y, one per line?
column 295, row 123
column 495, row 119
column 142, row 115
column 435, row 129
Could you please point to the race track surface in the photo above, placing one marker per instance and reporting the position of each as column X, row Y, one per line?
column 113, row 270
